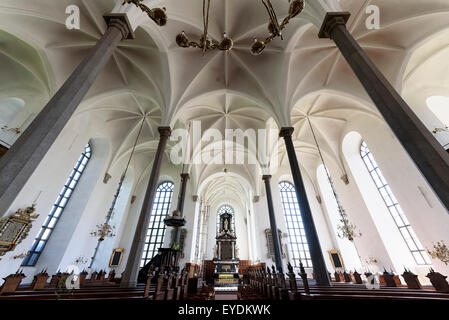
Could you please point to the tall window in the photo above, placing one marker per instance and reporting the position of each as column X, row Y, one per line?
column 410, row 238
column 156, row 227
column 61, row 202
column 225, row 208
column 296, row 233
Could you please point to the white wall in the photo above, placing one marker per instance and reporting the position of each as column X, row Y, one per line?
column 422, row 208
column 349, row 254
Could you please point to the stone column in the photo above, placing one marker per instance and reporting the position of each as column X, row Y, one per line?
column 182, row 195
column 130, row 274
column 428, row 155
column 19, row 163
column 319, row 266
column 273, row 225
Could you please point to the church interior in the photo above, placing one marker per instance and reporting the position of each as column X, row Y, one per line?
column 224, row 150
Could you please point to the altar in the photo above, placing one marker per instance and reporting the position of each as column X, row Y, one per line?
column 226, row 261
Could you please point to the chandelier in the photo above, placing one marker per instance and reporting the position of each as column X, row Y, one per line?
column 440, row 251
column 158, row 15
column 438, row 130
column 205, row 43
column 346, row 229
column 274, row 28
column 104, row 231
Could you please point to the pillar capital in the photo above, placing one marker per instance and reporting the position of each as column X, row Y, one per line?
column 286, row 132
column 121, row 22
column 331, row 20
column 266, row 177
column 164, row 131
column 185, row 176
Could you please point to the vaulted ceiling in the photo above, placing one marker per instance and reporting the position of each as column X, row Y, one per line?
column 151, row 77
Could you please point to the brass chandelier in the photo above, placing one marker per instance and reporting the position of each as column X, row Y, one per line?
column 274, row 28
column 158, row 15
column 205, row 43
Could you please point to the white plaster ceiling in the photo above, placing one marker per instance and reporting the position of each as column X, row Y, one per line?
column 301, row 75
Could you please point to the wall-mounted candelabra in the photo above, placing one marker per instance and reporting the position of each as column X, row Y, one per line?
column 14, row 130
column 438, row 130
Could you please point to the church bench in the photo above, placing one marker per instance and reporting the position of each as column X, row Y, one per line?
column 331, row 296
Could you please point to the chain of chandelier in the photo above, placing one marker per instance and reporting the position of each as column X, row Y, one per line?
column 205, row 43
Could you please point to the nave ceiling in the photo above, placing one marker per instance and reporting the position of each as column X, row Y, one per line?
column 301, row 76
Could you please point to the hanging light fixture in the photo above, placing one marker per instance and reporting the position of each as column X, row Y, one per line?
column 205, row 43
column 347, row 230
column 105, row 230
column 438, row 130
column 274, row 28
column 158, row 15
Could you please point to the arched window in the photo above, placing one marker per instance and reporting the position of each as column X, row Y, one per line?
column 9, row 109
column 55, row 213
column 226, row 208
column 296, row 233
column 409, row 236
column 439, row 105
column 156, row 227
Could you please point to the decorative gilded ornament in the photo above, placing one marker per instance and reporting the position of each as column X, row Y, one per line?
column 14, row 229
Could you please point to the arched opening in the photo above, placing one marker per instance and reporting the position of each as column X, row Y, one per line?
column 61, row 202
column 225, row 209
column 297, row 237
column 9, row 109
column 439, row 105
column 414, row 245
column 156, row 227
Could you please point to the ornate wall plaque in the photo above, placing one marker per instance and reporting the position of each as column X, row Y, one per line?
column 270, row 246
column 15, row 228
